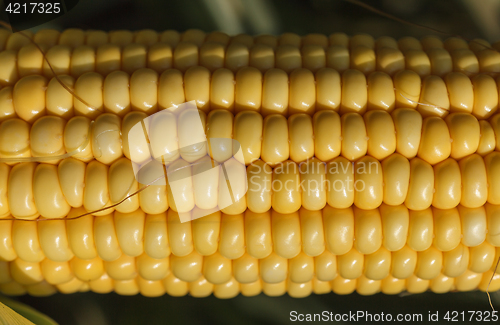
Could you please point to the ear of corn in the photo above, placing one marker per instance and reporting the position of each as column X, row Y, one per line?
column 302, row 110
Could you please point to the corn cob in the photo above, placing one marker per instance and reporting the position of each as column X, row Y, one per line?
column 77, row 52
column 273, row 92
column 341, row 248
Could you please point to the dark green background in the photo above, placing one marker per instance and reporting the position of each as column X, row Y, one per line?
column 95, row 309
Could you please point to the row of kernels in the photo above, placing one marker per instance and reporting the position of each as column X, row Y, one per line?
column 274, row 139
column 326, row 135
column 218, row 269
column 338, row 231
column 367, row 183
column 202, row 288
column 262, row 52
column 76, row 37
column 73, row 38
column 469, row 280
column 436, row 61
column 76, row 185
column 160, row 57
column 274, row 92
column 30, row 190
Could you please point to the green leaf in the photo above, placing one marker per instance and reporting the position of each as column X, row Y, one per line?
column 15, row 313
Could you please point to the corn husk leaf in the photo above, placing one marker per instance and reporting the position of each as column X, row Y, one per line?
column 15, row 313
